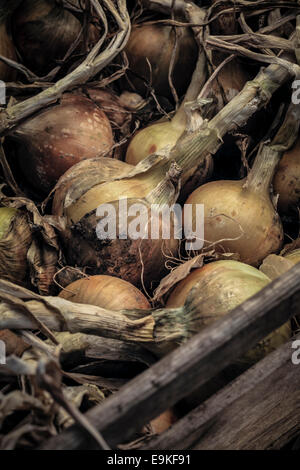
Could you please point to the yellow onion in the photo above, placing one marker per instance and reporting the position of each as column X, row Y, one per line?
column 239, row 216
column 155, row 43
column 105, row 292
column 219, row 287
column 286, row 181
column 44, row 32
column 60, row 136
column 229, row 82
column 15, row 240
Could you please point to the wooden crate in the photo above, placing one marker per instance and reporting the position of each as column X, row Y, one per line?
column 259, row 410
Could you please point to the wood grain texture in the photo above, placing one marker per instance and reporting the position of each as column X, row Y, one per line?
column 189, row 366
column 259, row 410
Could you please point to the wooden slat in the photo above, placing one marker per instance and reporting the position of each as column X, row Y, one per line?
column 259, row 410
column 189, row 366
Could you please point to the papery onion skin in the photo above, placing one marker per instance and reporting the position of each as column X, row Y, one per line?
column 106, row 292
column 221, row 286
column 7, row 49
column 286, row 181
column 59, row 137
column 44, row 32
column 231, row 211
column 156, row 43
column 15, row 240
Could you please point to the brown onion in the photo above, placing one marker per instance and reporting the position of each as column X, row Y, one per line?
column 155, row 43
column 286, row 181
column 44, row 31
column 105, row 292
column 293, row 256
column 60, row 136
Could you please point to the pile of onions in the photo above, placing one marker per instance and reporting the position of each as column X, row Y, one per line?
column 15, row 241
column 239, row 216
column 149, row 51
column 93, row 183
column 44, row 32
column 60, row 136
column 219, row 287
column 286, row 181
column 105, row 292
column 7, row 49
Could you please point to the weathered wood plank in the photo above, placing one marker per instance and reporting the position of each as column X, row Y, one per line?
column 189, row 366
column 259, row 410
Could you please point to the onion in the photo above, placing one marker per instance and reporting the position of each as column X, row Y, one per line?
column 112, row 105
column 239, row 216
column 163, row 134
column 15, row 240
column 155, row 43
column 87, row 186
column 286, row 182
column 293, row 256
column 7, row 49
column 154, row 180
column 219, row 287
column 106, row 292
column 60, row 136
column 44, row 32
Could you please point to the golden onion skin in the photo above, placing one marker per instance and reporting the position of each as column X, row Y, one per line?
column 43, row 33
column 220, row 287
column 242, row 221
column 106, row 292
column 59, row 137
column 286, row 181
column 156, row 43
